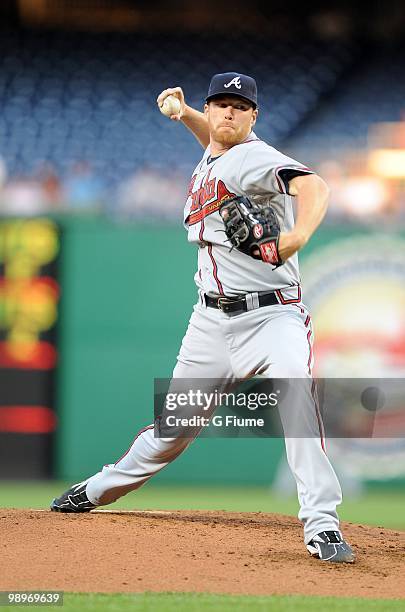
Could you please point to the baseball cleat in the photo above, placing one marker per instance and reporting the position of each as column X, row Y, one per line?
column 330, row 546
column 73, row 500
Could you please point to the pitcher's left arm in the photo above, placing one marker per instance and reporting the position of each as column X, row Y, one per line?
column 312, row 194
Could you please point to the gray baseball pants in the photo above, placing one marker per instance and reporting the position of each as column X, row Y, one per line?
column 277, row 338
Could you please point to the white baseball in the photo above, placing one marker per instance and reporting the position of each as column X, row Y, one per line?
column 171, row 106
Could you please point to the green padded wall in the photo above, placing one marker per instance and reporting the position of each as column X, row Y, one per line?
column 128, row 292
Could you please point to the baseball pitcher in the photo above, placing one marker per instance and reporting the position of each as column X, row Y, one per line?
column 249, row 318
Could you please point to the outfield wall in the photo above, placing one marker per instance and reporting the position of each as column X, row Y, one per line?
column 127, row 295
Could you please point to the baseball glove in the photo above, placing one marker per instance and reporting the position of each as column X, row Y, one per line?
column 253, row 229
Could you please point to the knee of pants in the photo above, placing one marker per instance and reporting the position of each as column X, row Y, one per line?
column 294, row 368
column 170, row 446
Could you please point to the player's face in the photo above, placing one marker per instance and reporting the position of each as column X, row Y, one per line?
column 230, row 119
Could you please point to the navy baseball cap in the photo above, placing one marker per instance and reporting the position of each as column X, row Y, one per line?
column 233, row 83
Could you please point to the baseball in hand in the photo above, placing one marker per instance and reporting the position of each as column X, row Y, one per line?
column 171, row 106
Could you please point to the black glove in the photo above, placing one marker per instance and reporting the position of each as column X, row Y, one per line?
column 253, row 229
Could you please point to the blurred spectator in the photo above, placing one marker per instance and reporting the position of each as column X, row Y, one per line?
column 358, row 194
column 3, row 176
column 23, row 196
column 51, row 186
column 152, row 193
column 83, row 191
column 3, row 173
column 364, row 196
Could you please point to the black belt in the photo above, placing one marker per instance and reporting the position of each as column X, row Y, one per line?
column 241, row 304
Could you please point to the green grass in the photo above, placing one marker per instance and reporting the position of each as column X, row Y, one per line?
column 196, row 602
column 383, row 508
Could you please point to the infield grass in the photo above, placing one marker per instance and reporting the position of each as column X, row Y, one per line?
column 200, row 602
column 383, row 508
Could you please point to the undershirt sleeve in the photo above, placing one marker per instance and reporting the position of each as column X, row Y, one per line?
column 287, row 174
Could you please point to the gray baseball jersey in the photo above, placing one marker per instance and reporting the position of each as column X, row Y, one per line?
column 258, row 171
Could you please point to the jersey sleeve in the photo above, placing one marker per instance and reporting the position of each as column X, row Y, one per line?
column 266, row 170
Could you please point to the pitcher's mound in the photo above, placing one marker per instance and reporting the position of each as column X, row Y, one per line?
column 216, row 552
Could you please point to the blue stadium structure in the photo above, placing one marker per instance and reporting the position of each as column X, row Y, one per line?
column 67, row 97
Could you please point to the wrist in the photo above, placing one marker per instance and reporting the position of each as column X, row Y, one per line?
column 185, row 112
column 300, row 238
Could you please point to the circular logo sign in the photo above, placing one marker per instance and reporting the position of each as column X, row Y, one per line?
column 355, row 288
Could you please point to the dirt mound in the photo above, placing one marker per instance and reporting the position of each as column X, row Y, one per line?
column 217, row 552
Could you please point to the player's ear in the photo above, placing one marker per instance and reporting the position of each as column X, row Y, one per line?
column 205, row 109
column 254, row 116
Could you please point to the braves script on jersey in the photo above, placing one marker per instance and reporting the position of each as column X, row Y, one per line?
column 253, row 169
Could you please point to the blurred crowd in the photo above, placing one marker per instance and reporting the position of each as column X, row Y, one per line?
column 149, row 192
column 156, row 193
column 359, row 195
